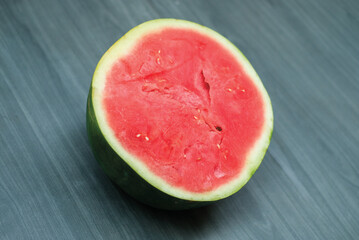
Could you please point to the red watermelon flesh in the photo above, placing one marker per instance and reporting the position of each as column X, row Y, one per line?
column 184, row 106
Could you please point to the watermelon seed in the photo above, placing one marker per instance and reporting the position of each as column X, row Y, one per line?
column 138, row 135
column 229, row 90
column 147, row 139
column 219, row 128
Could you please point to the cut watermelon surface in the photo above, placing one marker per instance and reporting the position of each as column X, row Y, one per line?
column 177, row 106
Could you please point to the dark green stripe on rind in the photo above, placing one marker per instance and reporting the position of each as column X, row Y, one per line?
column 123, row 175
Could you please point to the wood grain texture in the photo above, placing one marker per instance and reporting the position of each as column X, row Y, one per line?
column 306, row 53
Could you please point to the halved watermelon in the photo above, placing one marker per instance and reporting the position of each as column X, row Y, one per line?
column 177, row 116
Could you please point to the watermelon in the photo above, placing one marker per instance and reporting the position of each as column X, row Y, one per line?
column 176, row 115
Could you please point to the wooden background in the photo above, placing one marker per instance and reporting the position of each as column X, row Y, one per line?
column 307, row 54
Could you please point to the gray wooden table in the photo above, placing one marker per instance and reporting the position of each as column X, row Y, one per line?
column 307, row 54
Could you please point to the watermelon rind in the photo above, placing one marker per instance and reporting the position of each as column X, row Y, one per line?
column 131, row 174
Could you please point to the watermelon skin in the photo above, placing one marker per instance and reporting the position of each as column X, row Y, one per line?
column 133, row 179
column 124, row 176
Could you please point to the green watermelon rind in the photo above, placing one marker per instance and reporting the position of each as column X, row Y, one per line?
column 130, row 173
